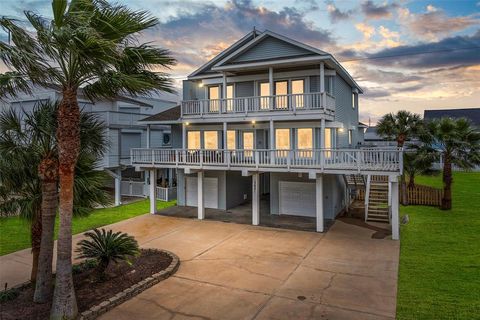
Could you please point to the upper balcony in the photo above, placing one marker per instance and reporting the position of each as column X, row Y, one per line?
column 119, row 118
column 261, row 105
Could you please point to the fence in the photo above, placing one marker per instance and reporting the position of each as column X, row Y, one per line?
column 166, row 194
column 424, row 195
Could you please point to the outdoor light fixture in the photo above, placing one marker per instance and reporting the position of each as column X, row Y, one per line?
column 187, row 123
column 253, row 123
column 200, row 85
column 340, row 129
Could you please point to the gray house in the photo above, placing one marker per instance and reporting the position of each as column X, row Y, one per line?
column 270, row 123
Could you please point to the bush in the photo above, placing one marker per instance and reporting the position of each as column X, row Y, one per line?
column 7, row 295
column 105, row 246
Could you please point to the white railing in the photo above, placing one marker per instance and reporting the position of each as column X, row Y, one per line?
column 246, row 105
column 166, row 194
column 389, row 160
column 119, row 117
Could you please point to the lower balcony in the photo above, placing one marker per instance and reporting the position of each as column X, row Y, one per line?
column 335, row 161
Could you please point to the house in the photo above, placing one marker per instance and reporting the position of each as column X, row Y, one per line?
column 373, row 139
column 270, row 122
column 123, row 130
column 472, row 114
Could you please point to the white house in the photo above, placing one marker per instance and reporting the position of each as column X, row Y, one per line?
column 123, row 130
column 269, row 118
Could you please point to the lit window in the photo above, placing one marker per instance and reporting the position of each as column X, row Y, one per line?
column 230, row 97
column 328, row 142
column 282, row 139
column 305, row 142
column 248, row 143
column 298, row 88
column 210, row 140
column 281, row 89
column 264, row 94
column 193, row 140
column 214, row 96
column 231, row 140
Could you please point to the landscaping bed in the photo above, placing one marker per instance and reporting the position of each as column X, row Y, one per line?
column 94, row 297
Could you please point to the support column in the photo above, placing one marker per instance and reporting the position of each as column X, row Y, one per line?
column 270, row 82
column 322, row 84
column 153, row 187
column 255, row 199
column 148, row 136
column 184, row 136
column 200, row 203
column 319, row 202
column 118, row 183
column 225, row 136
column 394, row 208
column 224, row 91
column 322, row 133
column 272, row 142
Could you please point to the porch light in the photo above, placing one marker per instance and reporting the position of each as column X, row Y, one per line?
column 187, row 123
column 253, row 123
column 341, row 129
column 200, row 85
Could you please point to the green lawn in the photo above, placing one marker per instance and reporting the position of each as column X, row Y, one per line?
column 439, row 275
column 15, row 232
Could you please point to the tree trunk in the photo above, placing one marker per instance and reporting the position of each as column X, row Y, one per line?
column 411, row 181
column 64, row 305
column 36, row 236
column 447, row 183
column 48, row 172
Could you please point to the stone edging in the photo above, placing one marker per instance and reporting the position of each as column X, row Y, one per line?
column 137, row 288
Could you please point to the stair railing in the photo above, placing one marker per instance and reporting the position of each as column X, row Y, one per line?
column 367, row 195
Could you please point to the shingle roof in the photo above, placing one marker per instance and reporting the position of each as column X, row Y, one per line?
column 171, row 114
column 473, row 114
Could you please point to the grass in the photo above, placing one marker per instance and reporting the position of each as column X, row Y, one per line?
column 15, row 232
column 439, row 275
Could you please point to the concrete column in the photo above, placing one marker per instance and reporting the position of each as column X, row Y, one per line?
column 118, row 182
column 394, row 208
column 148, row 136
column 153, row 186
column 200, row 203
column 319, row 202
column 225, row 136
column 255, row 199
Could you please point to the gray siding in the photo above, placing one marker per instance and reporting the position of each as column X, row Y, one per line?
column 333, row 188
column 176, row 136
column 344, row 112
column 315, row 84
column 271, row 48
column 244, row 89
column 237, row 187
column 191, row 91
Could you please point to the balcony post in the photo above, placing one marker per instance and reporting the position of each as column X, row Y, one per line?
column 148, row 136
column 184, row 136
column 225, row 147
column 255, row 199
column 272, row 142
column 319, row 202
column 153, row 187
column 270, row 86
column 200, row 204
column 322, row 84
column 394, row 208
column 224, row 100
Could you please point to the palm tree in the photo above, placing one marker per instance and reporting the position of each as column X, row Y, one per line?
column 400, row 127
column 458, row 143
column 28, row 178
column 89, row 45
column 415, row 162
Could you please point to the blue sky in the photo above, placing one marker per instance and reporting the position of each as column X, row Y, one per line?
column 448, row 76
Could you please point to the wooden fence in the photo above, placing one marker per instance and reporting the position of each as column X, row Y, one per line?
column 424, row 195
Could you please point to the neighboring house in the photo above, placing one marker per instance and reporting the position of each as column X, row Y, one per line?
column 472, row 114
column 123, row 130
column 373, row 139
column 274, row 119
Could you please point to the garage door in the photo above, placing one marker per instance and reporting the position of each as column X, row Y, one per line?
column 210, row 192
column 297, row 198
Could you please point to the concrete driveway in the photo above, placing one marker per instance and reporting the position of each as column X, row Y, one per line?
column 234, row 271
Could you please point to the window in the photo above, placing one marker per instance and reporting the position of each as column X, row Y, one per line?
column 353, row 100
column 248, row 143
column 231, row 140
column 305, row 142
column 328, row 142
column 281, row 89
column 230, row 97
column 210, row 139
column 193, row 140
column 298, row 88
column 264, row 93
column 282, row 139
column 214, row 95
column 350, row 137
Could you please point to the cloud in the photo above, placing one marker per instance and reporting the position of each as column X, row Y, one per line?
column 336, row 14
column 196, row 36
column 367, row 30
column 434, row 23
column 374, row 11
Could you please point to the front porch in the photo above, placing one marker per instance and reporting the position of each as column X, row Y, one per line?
column 242, row 214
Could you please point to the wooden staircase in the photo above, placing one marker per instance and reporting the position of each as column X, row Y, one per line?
column 376, row 199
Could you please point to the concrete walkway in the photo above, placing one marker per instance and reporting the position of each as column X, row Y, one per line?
column 234, row 271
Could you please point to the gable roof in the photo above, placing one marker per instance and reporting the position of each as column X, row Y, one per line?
column 473, row 114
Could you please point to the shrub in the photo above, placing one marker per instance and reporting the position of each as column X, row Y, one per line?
column 105, row 246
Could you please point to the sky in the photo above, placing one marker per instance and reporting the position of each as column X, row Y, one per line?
column 406, row 55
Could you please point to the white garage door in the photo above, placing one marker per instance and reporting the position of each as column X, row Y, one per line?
column 297, row 198
column 210, row 192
